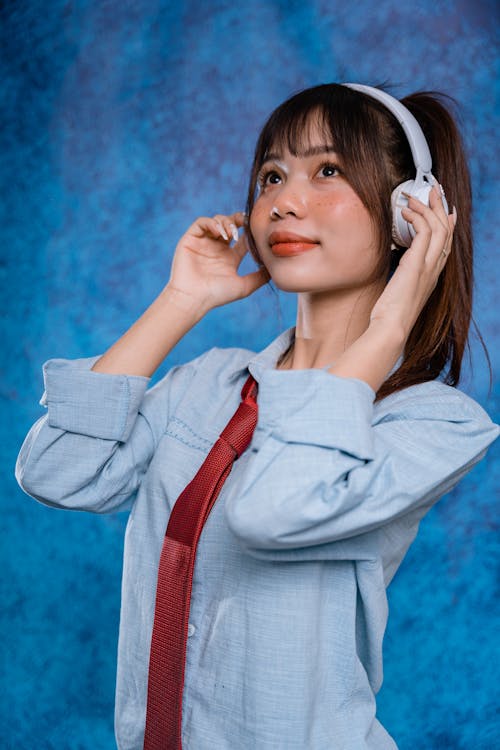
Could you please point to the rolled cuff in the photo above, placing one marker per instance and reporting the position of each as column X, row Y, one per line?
column 314, row 407
column 91, row 403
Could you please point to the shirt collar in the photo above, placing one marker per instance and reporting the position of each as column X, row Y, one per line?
column 268, row 357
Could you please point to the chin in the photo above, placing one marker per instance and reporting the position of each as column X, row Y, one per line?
column 291, row 287
column 302, row 285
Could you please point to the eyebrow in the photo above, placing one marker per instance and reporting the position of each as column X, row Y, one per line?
column 313, row 151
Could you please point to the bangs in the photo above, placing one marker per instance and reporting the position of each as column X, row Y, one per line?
column 325, row 109
column 293, row 131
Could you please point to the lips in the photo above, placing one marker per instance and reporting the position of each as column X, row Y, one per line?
column 279, row 237
column 289, row 243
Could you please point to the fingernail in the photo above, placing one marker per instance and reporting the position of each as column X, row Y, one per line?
column 234, row 231
column 222, row 231
column 442, row 190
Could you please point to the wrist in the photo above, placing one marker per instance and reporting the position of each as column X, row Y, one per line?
column 393, row 335
column 372, row 356
column 184, row 302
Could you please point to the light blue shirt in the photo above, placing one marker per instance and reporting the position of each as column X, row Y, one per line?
column 289, row 606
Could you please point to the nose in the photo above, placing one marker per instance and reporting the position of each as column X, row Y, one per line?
column 288, row 200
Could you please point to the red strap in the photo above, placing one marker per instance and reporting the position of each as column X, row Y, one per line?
column 175, row 576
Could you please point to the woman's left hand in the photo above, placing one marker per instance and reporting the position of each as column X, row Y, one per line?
column 418, row 271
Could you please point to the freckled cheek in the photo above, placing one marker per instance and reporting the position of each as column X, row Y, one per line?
column 351, row 215
column 341, row 207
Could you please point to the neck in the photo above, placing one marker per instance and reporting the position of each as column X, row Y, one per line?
column 327, row 324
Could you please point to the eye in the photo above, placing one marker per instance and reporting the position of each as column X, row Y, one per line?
column 271, row 177
column 267, row 177
column 329, row 169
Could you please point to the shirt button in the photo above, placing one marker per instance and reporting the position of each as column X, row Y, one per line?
column 191, row 629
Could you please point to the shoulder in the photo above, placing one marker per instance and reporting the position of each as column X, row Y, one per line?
column 200, row 394
column 220, row 361
column 435, row 426
column 217, row 364
column 431, row 400
column 230, row 359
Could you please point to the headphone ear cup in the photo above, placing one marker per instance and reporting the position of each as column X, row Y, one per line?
column 402, row 231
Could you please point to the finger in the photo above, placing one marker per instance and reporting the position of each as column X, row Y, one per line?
column 238, row 218
column 440, row 245
column 451, row 221
column 237, row 221
column 437, row 225
column 436, row 201
column 428, row 211
column 252, row 281
column 431, row 244
column 453, row 217
column 234, row 221
column 437, row 218
column 448, row 248
column 241, row 247
column 423, row 230
column 231, row 223
column 206, row 224
column 427, row 243
column 436, row 195
column 225, row 223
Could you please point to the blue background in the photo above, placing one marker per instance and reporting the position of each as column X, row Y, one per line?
column 121, row 123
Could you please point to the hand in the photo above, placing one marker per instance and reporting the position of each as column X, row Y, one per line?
column 418, row 271
column 205, row 265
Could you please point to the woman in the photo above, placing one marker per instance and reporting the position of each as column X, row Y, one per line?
column 357, row 435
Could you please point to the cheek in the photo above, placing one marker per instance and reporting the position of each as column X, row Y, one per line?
column 344, row 207
column 258, row 218
column 349, row 216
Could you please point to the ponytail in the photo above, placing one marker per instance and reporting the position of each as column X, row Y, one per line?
column 440, row 335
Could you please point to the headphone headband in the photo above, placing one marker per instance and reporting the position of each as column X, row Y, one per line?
column 420, row 187
column 416, row 138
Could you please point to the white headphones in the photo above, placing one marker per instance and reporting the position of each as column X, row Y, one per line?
column 403, row 232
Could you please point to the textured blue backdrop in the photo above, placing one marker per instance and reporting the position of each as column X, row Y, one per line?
column 121, row 122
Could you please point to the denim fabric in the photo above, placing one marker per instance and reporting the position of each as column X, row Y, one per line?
column 289, row 606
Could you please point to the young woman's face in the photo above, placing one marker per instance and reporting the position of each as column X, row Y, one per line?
column 308, row 196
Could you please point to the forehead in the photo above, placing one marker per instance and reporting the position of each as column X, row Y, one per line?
column 304, row 136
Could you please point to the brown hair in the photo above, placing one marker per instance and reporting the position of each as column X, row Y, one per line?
column 376, row 157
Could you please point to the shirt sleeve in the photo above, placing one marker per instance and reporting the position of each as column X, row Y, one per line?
column 94, row 445
column 323, row 469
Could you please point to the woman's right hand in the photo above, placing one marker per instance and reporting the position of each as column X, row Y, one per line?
column 205, row 265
